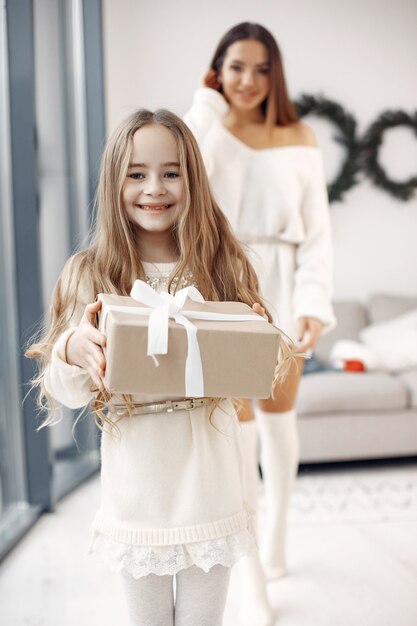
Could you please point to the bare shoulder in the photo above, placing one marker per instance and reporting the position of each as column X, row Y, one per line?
column 304, row 134
column 297, row 134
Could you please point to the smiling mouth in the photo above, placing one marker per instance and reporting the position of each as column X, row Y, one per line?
column 154, row 207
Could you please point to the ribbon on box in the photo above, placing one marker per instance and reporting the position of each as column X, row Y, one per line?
column 160, row 308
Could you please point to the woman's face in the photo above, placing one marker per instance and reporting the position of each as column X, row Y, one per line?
column 244, row 75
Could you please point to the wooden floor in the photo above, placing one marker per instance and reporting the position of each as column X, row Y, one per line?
column 352, row 554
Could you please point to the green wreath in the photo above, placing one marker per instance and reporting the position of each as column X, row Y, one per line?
column 346, row 124
column 370, row 149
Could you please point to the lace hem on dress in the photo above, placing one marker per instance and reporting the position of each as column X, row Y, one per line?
column 140, row 561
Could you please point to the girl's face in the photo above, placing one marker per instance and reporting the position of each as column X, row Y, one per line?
column 244, row 75
column 153, row 192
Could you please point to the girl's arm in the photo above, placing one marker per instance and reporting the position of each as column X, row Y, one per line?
column 208, row 106
column 77, row 362
column 69, row 385
column 314, row 258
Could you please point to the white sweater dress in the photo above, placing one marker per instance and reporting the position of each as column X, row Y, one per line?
column 170, row 484
column 276, row 202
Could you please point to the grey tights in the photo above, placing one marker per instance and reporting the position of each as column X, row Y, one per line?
column 200, row 597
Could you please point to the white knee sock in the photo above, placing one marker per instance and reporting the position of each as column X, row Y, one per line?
column 279, row 455
column 251, row 479
column 254, row 607
column 150, row 599
column 201, row 596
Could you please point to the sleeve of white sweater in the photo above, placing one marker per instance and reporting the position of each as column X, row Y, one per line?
column 69, row 385
column 208, row 106
column 314, row 256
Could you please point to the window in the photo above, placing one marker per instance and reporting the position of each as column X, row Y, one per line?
column 43, row 51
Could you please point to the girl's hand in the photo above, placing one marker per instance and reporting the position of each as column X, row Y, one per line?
column 210, row 80
column 309, row 331
column 259, row 310
column 85, row 346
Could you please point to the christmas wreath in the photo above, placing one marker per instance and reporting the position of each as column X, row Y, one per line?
column 346, row 124
column 370, row 148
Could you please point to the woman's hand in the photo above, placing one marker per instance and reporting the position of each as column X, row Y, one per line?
column 85, row 346
column 259, row 310
column 211, row 80
column 309, row 331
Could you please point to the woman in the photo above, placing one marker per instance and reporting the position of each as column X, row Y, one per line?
column 266, row 173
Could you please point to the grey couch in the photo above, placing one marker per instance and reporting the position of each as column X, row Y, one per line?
column 351, row 416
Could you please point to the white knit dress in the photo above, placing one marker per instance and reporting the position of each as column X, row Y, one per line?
column 171, row 483
column 276, row 202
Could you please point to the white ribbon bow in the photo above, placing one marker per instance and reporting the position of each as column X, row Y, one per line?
column 162, row 307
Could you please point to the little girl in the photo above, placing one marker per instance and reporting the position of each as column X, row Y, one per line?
column 172, row 499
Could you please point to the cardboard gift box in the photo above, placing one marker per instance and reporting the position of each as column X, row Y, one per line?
column 204, row 357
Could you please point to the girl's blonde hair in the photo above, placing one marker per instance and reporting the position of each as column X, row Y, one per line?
column 202, row 237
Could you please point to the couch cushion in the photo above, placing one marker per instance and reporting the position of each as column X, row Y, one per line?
column 393, row 342
column 384, row 307
column 351, row 318
column 409, row 378
column 327, row 392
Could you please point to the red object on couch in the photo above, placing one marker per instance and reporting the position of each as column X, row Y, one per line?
column 354, row 366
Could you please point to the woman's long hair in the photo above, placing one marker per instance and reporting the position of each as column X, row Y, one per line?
column 277, row 107
column 202, row 236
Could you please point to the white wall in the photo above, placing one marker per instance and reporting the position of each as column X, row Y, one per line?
column 360, row 53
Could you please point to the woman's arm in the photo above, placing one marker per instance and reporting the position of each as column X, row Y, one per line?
column 208, row 106
column 314, row 256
